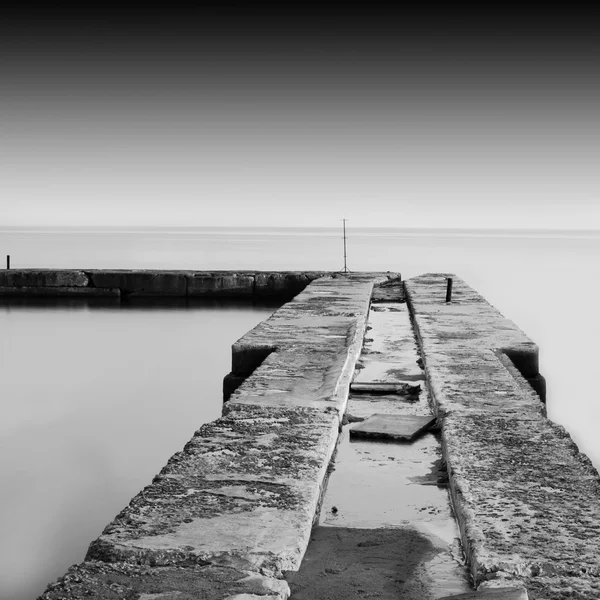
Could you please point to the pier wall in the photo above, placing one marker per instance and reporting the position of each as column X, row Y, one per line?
column 526, row 500
column 121, row 283
column 231, row 512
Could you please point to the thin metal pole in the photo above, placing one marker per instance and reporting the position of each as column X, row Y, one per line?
column 449, row 290
column 8, row 262
column 345, row 266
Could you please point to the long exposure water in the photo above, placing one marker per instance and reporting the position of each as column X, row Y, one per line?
column 89, row 427
column 95, row 399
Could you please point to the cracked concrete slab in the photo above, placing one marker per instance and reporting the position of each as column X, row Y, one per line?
column 399, row 428
column 96, row 580
column 243, row 492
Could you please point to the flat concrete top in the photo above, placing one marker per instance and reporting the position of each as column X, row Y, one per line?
column 400, row 428
column 527, row 501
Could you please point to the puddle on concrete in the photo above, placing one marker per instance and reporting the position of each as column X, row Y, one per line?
column 387, row 486
column 390, row 349
column 372, row 485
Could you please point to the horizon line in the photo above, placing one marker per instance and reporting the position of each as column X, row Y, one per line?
column 363, row 227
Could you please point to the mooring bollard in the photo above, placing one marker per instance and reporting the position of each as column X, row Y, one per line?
column 8, row 262
column 449, row 290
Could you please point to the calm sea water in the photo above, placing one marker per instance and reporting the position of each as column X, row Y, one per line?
column 95, row 399
column 88, row 428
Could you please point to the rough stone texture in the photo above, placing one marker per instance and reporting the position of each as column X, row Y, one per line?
column 37, row 278
column 284, row 283
column 207, row 284
column 59, row 291
column 142, row 283
column 526, row 499
column 389, row 291
column 243, row 493
column 96, row 580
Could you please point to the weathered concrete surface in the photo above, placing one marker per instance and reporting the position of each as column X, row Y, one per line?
column 243, row 493
column 292, row 283
column 389, row 355
column 527, row 502
column 400, row 428
column 96, row 580
column 142, row 283
column 304, row 347
column 390, row 291
column 398, row 489
column 204, row 284
column 38, row 278
column 56, row 291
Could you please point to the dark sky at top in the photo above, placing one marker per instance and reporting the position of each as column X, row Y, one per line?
column 233, row 115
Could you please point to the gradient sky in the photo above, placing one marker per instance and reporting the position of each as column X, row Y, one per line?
column 233, row 116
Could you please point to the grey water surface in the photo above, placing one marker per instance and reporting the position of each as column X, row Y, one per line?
column 96, row 396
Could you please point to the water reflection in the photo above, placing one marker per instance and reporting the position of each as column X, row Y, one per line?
column 96, row 396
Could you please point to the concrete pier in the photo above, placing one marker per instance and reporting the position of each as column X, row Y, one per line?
column 123, row 283
column 231, row 514
column 234, row 509
column 526, row 500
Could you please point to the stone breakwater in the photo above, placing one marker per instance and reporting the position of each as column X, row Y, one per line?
column 526, row 500
column 143, row 283
column 231, row 512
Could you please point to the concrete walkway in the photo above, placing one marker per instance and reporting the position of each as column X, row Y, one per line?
column 527, row 502
column 234, row 509
column 386, row 529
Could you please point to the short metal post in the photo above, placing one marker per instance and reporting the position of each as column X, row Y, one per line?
column 449, row 290
column 8, row 262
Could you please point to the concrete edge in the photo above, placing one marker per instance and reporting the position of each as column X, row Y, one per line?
column 137, row 283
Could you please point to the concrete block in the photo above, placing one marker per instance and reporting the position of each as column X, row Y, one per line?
column 280, row 284
column 525, row 498
column 142, row 283
column 246, row 357
column 231, row 383
column 59, row 291
column 242, row 494
column 526, row 358
column 400, row 428
column 96, row 580
column 219, row 284
column 43, row 278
